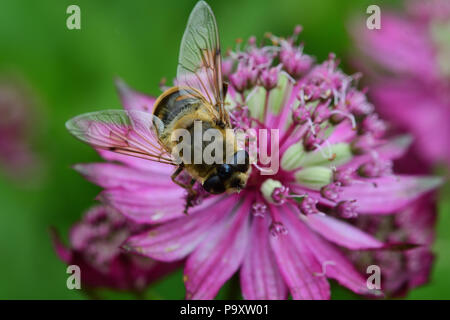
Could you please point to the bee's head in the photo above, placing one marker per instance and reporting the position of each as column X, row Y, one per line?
column 230, row 177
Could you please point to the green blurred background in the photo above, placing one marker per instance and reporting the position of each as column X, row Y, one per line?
column 72, row 71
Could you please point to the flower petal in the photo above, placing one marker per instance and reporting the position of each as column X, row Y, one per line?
column 150, row 205
column 109, row 175
column 218, row 256
column 393, row 149
column 342, row 233
column 133, row 100
column 137, row 163
column 64, row 253
column 299, row 267
column 388, row 194
column 260, row 276
column 174, row 240
column 334, row 264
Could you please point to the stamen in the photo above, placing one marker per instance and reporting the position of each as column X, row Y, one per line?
column 280, row 194
column 311, row 125
column 277, row 228
column 331, row 191
column 347, row 115
column 347, row 209
column 290, row 78
column 329, row 155
column 343, row 176
column 259, row 209
column 293, row 195
column 308, row 206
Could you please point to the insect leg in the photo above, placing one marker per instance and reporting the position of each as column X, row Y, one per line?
column 176, row 174
column 191, row 196
column 189, row 187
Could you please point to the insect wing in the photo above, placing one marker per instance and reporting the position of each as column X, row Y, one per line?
column 129, row 132
column 200, row 63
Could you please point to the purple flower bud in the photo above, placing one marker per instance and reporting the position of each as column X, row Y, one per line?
column 308, row 206
column 294, row 61
column 343, row 176
column 259, row 209
column 277, row 229
column 375, row 168
column 227, row 66
column 301, row 115
column 364, row 143
column 280, row 194
column 374, row 125
column 269, row 77
column 322, row 112
column 313, row 138
column 347, row 209
column 331, row 191
column 356, row 102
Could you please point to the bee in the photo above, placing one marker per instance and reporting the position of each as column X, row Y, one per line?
column 197, row 97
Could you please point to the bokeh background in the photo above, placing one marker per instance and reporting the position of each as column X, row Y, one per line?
column 68, row 72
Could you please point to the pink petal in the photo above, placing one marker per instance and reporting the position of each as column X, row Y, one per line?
column 133, row 100
column 109, row 175
column 138, row 163
column 420, row 110
column 334, row 264
column 299, row 267
column 154, row 204
column 260, row 276
column 400, row 46
column 342, row 233
column 393, row 149
column 64, row 253
column 218, row 257
column 285, row 113
column 174, row 240
column 344, row 132
column 388, row 194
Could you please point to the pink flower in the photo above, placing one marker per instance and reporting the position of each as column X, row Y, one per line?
column 95, row 247
column 412, row 87
column 16, row 156
column 402, row 270
column 284, row 233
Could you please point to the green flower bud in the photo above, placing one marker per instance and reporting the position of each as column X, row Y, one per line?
column 314, row 177
column 256, row 102
column 334, row 155
column 268, row 187
column 292, row 158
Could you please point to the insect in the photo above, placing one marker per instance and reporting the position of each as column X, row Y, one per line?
column 197, row 97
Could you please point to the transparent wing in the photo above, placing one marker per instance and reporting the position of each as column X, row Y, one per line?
column 129, row 132
column 199, row 62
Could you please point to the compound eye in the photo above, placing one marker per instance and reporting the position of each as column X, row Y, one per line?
column 214, row 185
column 237, row 184
column 224, row 171
column 241, row 161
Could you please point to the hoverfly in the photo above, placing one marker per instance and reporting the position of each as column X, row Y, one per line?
column 197, row 96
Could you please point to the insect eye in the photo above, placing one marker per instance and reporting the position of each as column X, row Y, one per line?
column 224, row 171
column 241, row 161
column 236, row 183
column 214, row 185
